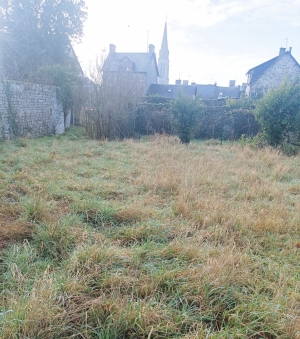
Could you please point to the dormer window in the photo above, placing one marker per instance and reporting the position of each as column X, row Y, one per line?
column 126, row 64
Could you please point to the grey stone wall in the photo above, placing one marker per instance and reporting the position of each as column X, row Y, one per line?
column 29, row 109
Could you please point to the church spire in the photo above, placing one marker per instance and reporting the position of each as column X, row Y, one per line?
column 164, row 51
column 163, row 60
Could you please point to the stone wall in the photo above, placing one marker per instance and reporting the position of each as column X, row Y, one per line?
column 29, row 109
column 285, row 68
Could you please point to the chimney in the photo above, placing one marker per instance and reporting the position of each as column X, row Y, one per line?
column 178, row 82
column 290, row 51
column 112, row 49
column 185, row 82
column 151, row 48
column 281, row 51
column 231, row 83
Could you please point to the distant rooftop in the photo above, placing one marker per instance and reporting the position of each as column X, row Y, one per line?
column 217, row 92
column 172, row 91
column 140, row 61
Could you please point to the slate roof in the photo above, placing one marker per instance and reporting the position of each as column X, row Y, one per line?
column 256, row 72
column 210, row 92
column 207, row 91
column 229, row 92
column 171, row 91
column 141, row 61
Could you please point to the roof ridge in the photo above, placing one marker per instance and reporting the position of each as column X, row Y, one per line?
column 262, row 64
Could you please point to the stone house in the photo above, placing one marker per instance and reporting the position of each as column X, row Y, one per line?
column 136, row 70
column 272, row 73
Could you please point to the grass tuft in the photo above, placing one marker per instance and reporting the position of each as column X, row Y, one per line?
column 54, row 240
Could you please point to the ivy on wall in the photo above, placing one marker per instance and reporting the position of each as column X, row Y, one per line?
column 13, row 125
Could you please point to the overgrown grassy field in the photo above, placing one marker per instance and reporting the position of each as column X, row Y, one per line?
column 148, row 239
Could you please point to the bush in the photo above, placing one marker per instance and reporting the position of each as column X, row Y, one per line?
column 156, row 99
column 240, row 104
column 278, row 113
column 153, row 116
column 185, row 112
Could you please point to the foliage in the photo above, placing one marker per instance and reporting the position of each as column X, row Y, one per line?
column 34, row 33
column 257, row 142
column 153, row 116
column 11, row 117
column 185, row 112
column 219, row 121
column 63, row 78
column 289, row 149
column 242, row 103
column 156, row 99
column 278, row 112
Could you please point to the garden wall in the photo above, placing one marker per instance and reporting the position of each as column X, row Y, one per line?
column 216, row 122
column 29, row 109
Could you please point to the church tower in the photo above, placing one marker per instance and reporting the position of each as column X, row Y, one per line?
column 163, row 60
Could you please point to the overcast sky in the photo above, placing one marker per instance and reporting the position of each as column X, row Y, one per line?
column 209, row 40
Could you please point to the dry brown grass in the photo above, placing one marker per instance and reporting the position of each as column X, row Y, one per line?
column 153, row 239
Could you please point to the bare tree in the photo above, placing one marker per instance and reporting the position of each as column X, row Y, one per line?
column 113, row 98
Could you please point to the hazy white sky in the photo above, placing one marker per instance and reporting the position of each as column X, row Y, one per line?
column 209, row 40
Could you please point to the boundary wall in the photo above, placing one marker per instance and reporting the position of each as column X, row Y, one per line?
column 28, row 109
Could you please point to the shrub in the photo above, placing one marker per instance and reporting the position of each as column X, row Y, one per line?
column 185, row 112
column 153, row 116
column 156, row 99
column 240, row 104
column 278, row 113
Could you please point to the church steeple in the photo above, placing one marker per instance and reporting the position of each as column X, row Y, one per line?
column 163, row 60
